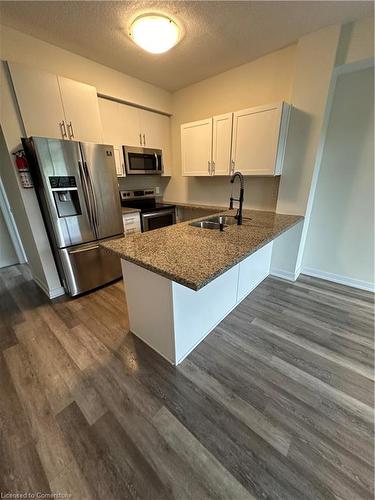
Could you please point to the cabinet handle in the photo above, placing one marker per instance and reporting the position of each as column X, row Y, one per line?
column 71, row 133
column 140, row 139
column 144, row 139
column 233, row 165
column 213, row 168
column 63, row 129
column 209, row 167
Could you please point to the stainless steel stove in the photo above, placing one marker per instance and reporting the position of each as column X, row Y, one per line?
column 153, row 214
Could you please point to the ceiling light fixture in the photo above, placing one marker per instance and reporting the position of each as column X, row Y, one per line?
column 155, row 33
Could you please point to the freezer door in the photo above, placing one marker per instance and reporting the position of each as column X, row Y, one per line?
column 88, row 266
column 99, row 164
column 62, row 192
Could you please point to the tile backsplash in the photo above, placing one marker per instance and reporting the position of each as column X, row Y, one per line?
column 143, row 182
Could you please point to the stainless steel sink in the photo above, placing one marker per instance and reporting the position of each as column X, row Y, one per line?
column 206, row 224
column 227, row 220
column 215, row 221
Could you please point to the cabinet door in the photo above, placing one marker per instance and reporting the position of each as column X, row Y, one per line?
column 255, row 143
column 110, row 118
column 221, row 143
column 39, row 100
column 196, row 147
column 129, row 125
column 119, row 160
column 156, row 134
column 80, row 102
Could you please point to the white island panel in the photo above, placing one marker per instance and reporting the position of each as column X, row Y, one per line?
column 253, row 270
column 174, row 319
column 150, row 308
column 197, row 313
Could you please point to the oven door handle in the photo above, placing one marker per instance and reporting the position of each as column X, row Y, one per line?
column 150, row 215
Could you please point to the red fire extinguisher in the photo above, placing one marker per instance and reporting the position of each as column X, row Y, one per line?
column 23, row 169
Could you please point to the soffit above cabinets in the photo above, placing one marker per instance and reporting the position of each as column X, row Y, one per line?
column 218, row 35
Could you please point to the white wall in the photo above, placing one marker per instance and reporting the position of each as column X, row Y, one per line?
column 268, row 79
column 360, row 41
column 317, row 55
column 340, row 239
column 8, row 256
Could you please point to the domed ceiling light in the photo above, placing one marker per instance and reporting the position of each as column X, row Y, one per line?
column 155, row 33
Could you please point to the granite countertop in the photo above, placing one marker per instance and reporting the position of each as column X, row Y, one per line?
column 126, row 210
column 193, row 256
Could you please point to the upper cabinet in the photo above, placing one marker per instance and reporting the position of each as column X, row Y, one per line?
column 80, row 102
column 251, row 141
column 54, row 106
column 132, row 126
column 39, row 101
column 196, row 147
column 259, row 137
column 221, row 144
column 120, row 123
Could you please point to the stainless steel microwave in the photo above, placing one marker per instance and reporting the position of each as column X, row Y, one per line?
column 144, row 161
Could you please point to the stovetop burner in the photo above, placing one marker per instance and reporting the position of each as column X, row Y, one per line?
column 143, row 199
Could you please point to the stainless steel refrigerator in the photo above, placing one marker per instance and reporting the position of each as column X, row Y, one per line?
column 77, row 189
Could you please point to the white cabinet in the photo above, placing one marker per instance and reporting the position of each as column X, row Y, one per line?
column 206, row 146
column 119, row 160
column 110, row 118
column 259, row 136
column 251, row 141
column 54, row 106
column 80, row 103
column 132, row 126
column 132, row 223
column 156, row 134
column 120, row 123
column 221, row 144
column 39, row 101
column 196, row 147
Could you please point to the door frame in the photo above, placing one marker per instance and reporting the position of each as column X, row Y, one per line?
column 11, row 225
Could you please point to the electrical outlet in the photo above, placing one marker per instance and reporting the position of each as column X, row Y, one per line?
column 157, row 190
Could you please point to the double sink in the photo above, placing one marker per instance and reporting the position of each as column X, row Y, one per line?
column 216, row 222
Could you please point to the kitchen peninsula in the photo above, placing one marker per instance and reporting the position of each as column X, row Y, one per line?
column 182, row 280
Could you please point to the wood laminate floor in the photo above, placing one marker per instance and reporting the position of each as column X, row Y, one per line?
column 277, row 402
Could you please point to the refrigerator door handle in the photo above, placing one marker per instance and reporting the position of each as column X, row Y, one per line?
column 93, row 198
column 86, row 195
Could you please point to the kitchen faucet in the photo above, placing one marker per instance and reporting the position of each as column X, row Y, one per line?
column 238, row 216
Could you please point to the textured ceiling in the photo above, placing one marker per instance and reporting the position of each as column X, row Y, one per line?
column 219, row 34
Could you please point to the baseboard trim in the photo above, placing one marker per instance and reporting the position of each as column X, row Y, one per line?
column 51, row 293
column 286, row 275
column 337, row 278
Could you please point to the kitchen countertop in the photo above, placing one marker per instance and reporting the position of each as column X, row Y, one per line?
column 193, row 256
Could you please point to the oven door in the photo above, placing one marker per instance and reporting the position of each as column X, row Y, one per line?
column 156, row 220
column 144, row 161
